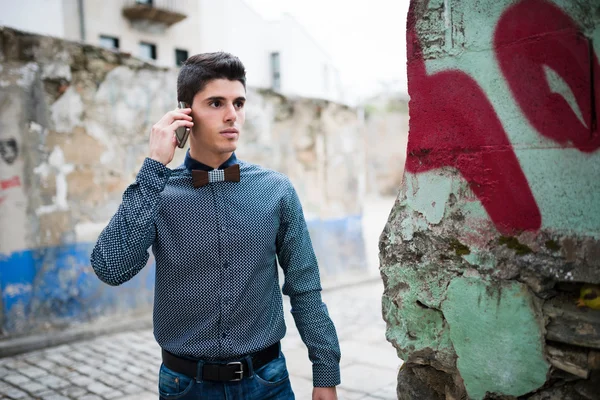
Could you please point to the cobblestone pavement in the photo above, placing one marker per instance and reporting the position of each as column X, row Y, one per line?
column 125, row 365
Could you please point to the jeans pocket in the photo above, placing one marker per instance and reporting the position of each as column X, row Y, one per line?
column 273, row 373
column 172, row 384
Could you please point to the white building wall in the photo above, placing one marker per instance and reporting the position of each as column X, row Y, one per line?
column 211, row 25
column 306, row 69
column 71, row 25
column 37, row 16
column 234, row 27
column 106, row 18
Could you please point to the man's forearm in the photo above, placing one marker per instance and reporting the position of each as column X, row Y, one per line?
column 122, row 248
column 319, row 335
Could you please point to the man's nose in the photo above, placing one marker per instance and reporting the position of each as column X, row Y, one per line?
column 230, row 114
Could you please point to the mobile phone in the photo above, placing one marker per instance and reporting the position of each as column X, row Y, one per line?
column 183, row 132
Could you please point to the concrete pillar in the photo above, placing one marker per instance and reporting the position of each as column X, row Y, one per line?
column 497, row 225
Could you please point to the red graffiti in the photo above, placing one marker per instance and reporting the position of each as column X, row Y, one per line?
column 533, row 35
column 15, row 181
column 454, row 124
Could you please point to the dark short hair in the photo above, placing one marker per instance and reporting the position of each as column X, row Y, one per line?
column 202, row 68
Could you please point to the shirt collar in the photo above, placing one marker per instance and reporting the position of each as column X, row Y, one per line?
column 191, row 164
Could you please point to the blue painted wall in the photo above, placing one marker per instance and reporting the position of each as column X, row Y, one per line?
column 53, row 287
column 56, row 286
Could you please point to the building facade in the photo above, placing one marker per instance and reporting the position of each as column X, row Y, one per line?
column 278, row 55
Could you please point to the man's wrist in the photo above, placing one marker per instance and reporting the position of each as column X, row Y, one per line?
column 153, row 174
column 324, row 393
column 158, row 159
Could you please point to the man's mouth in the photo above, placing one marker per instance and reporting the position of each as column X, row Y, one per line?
column 230, row 133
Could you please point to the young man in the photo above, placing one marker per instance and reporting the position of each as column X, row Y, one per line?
column 217, row 227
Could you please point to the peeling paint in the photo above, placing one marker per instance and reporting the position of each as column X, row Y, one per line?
column 27, row 74
column 559, row 86
column 67, row 111
column 89, row 231
column 501, row 324
column 58, row 68
column 57, row 165
column 17, row 289
column 433, row 192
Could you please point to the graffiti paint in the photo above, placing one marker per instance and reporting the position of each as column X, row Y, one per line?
column 13, row 182
column 560, row 49
column 9, row 150
column 454, row 124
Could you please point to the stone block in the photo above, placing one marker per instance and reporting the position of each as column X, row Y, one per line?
column 571, row 359
column 411, row 386
column 99, row 388
column 499, row 320
column 73, row 392
column 16, row 379
column 54, row 382
column 33, row 372
column 570, row 324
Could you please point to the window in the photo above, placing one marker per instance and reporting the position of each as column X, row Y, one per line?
column 275, row 72
column 180, row 56
column 147, row 51
column 145, row 2
column 109, row 42
column 325, row 77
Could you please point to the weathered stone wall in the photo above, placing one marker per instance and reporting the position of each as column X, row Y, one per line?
column 386, row 135
column 497, row 225
column 74, row 124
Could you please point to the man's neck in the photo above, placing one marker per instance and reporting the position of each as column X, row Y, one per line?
column 211, row 159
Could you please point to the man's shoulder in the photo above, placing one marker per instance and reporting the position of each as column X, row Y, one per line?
column 256, row 171
column 178, row 172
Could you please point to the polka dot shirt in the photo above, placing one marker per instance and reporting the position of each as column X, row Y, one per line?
column 217, row 248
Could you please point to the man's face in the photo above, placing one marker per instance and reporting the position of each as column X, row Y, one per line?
column 219, row 115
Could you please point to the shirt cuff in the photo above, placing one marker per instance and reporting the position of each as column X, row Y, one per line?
column 326, row 375
column 153, row 174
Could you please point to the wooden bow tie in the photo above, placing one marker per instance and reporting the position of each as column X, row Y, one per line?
column 230, row 174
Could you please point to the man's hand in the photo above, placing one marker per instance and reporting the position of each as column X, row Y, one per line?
column 162, row 137
column 324, row 393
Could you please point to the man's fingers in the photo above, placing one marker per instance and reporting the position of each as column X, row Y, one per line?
column 180, row 122
column 181, row 113
column 175, row 115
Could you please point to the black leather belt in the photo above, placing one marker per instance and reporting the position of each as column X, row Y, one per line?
column 222, row 372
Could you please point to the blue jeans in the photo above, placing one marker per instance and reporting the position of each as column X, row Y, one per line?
column 270, row 382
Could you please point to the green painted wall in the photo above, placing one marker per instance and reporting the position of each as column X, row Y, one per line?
column 496, row 337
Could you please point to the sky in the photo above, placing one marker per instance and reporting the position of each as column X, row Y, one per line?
column 366, row 39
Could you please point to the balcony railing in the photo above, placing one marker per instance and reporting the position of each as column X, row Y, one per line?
column 167, row 12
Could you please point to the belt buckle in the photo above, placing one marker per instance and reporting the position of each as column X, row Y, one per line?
column 240, row 372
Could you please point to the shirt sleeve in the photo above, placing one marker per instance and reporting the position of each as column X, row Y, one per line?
column 122, row 247
column 302, row 284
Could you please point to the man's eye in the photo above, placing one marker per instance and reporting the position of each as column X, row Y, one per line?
column 215, row 103
column 239, row 104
